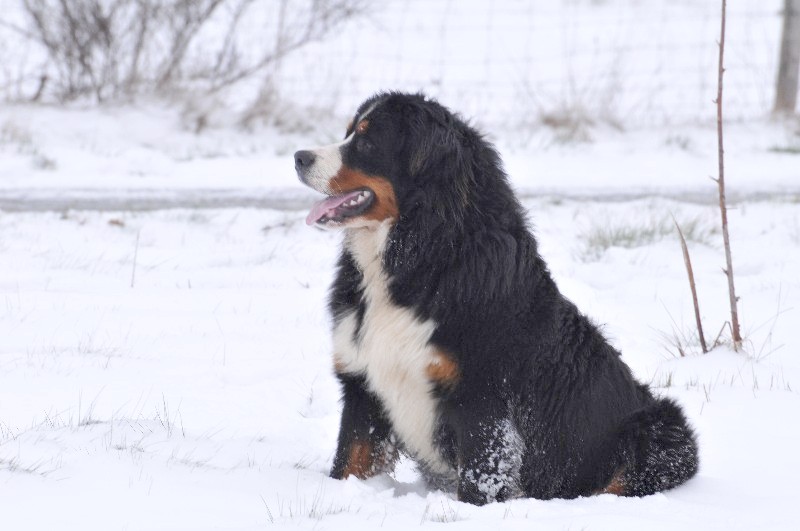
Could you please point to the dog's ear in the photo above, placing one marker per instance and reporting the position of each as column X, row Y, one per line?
column 433, row 145
column 440, row 156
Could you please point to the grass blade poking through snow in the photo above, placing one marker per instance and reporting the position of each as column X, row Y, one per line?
column 688, row 262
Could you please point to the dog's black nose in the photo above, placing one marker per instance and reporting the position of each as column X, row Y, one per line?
column 303, row 159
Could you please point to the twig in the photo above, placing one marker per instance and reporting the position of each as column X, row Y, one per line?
column 735, row 334
column 39, row 91
column 269, row 513
column 715, row 344
column 687, row 261
column 21, row 31
column 192, row 24
column 135, row 255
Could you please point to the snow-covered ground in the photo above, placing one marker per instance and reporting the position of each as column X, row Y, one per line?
column 114, row 153
column 164, row 348
column 169, row 368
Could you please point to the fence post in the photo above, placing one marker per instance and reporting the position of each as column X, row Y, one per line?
column 787, row 85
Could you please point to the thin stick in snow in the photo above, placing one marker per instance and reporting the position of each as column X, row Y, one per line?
column 135, row 255
column 735, row 334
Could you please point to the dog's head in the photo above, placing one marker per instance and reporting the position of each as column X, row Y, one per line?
column 397, row 148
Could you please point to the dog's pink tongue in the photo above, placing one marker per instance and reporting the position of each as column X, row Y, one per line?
column 327, row 206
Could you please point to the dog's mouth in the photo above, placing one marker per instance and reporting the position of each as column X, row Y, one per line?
column 337, row 208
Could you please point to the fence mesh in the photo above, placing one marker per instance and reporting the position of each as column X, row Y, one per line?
column 625, row 63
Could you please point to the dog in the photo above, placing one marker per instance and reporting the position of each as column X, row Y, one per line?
column 452, row 342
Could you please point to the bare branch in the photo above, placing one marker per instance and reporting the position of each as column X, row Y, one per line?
column 21, row 31
column 322, row 18
column 109, row 48
column 735, row 333
column 191, row 22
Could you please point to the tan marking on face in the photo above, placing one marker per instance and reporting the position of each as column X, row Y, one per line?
column 385, row 204
column 349, row 125
column 360, row 461
column 443, row 370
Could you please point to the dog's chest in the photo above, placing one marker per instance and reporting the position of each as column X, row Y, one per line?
column 391, row 347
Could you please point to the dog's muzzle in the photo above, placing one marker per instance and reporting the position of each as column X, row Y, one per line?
column 303, row 160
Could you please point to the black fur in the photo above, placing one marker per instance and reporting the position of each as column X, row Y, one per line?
column 460, row 253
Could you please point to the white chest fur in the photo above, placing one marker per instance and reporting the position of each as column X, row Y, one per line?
column 391, row 349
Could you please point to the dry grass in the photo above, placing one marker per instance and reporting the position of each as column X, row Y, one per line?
column 600, row 237
column 18, row 139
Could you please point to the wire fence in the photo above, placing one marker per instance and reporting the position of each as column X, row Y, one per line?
column 514, row 63
column 625, row 62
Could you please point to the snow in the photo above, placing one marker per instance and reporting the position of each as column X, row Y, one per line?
column 139, row 151
column 165, row 353
column 506, row 456
column 203, row 396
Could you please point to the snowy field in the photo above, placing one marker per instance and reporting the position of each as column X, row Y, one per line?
column 169, row 368
column 165, row 359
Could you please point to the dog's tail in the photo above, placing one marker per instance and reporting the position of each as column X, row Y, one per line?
column 658, row 449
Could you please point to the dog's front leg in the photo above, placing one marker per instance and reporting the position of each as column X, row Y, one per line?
column 490, row 457
column 364, row 448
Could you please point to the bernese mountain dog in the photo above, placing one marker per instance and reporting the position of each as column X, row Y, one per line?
column 451, row 341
